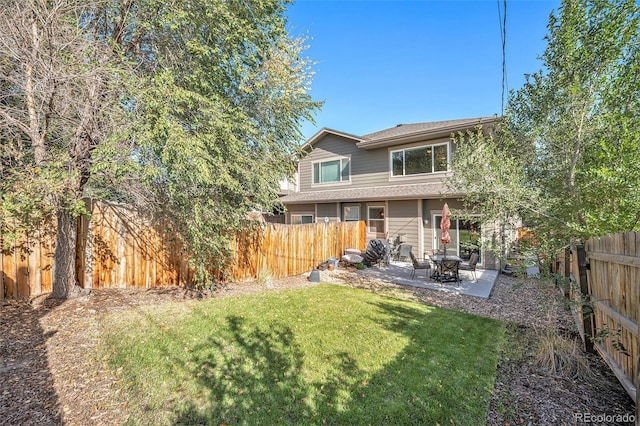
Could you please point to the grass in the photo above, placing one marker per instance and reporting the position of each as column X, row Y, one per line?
column 321, row 355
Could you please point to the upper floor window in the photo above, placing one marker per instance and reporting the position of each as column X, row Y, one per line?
column 332, row 171
column 420, row 160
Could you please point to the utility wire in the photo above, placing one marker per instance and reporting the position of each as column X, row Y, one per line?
column 502, row 20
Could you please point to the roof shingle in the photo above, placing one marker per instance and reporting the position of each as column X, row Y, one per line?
column 389, row 192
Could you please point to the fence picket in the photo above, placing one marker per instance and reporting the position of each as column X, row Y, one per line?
column 118, row 247
column 614, row 284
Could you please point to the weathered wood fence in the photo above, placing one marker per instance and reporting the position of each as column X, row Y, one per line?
column 119, row 247
column 605, row 274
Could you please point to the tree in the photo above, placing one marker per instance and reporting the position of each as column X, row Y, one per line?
column 189, row 109
column 563, row 157
column 58, row 103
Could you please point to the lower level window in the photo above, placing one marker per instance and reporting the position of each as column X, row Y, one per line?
column 351, row 213
column 376, row 220
column 299, row 219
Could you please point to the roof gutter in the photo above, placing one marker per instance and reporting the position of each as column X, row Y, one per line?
column 419, row 136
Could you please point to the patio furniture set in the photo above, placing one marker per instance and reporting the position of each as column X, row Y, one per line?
column 440, row 267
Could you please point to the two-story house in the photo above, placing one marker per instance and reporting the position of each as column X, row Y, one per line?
column 392, row 179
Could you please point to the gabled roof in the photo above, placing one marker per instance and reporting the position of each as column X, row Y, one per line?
column 327, row 131
column 404, row 133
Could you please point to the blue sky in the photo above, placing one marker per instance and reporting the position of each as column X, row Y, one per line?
column 382, row 63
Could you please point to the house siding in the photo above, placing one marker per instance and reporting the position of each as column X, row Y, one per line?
column 431, row 207
column 369, row 168
column 409, row 201
column 328, row 210
column 403, row 219
column 363, row 209
column 301, row 209
column 330, row 146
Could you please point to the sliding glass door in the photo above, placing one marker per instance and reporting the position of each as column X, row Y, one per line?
column 465, row 236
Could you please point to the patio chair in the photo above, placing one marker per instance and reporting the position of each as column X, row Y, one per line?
column 403, row 251
column 449, row 270
column 419, row 265
column 471, row 265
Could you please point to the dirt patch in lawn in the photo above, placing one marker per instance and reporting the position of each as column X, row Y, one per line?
column 50, row 373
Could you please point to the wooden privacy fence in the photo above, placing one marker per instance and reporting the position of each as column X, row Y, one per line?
column 285, row 250
column 606, row 277
column 119, row 247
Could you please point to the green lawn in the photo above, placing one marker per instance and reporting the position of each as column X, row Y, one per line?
column 326, row 354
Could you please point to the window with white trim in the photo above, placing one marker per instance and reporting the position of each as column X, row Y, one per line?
column 420, row 160
column 300, row 219
column 375, row 222
column 351, row 213
column 331, row 171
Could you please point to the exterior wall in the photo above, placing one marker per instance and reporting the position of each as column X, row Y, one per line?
column 403, row 219
column 363, row 209
column 371, row 168
column 290, row 185
column 430, row 177
column 489, row 230
column 301, row 209
column 328, row 210
column 365, row 217
column 368, row 168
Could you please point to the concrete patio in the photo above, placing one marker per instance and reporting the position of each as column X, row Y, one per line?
column 400, row 273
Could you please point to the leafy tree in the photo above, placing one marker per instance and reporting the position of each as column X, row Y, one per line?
column 187, row 109
column 563, row 157
column 58, row 103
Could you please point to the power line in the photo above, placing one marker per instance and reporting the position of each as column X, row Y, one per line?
column 502, row 20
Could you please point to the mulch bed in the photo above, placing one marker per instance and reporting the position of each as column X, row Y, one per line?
column 50, row 373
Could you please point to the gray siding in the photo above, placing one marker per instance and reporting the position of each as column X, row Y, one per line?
column 488, row 259
column 329, row 210
column 300, row 209
column 368, row 168
column 363, row 210
column 403, row 219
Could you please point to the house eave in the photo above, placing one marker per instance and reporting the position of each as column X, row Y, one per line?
column 327, row 131
column 423, row 135
column 404, row 192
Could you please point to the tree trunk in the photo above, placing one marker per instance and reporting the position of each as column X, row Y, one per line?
column 64, row 258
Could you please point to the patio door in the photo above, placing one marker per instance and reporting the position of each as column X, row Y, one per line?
column 452, row 247
column 375, row 221
column 465, row 236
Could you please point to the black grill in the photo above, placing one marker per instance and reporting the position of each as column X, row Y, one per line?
column 377, row 250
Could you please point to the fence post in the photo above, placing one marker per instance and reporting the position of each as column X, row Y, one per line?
column 587, row 319
column 567, row 270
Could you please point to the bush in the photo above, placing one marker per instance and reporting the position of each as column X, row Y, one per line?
column 561, row 356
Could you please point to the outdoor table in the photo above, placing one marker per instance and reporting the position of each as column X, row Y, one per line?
column 437, row 259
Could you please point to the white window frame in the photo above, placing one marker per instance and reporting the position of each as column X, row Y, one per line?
column 301, row 215
column 433, row 162
column 330, row 160
column 436, row 243
column 344, row 213
column 384, row 227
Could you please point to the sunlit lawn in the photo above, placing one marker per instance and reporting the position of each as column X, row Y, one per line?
column 323, row 354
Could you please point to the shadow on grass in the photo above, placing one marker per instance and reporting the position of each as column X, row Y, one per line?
column 257, row 375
